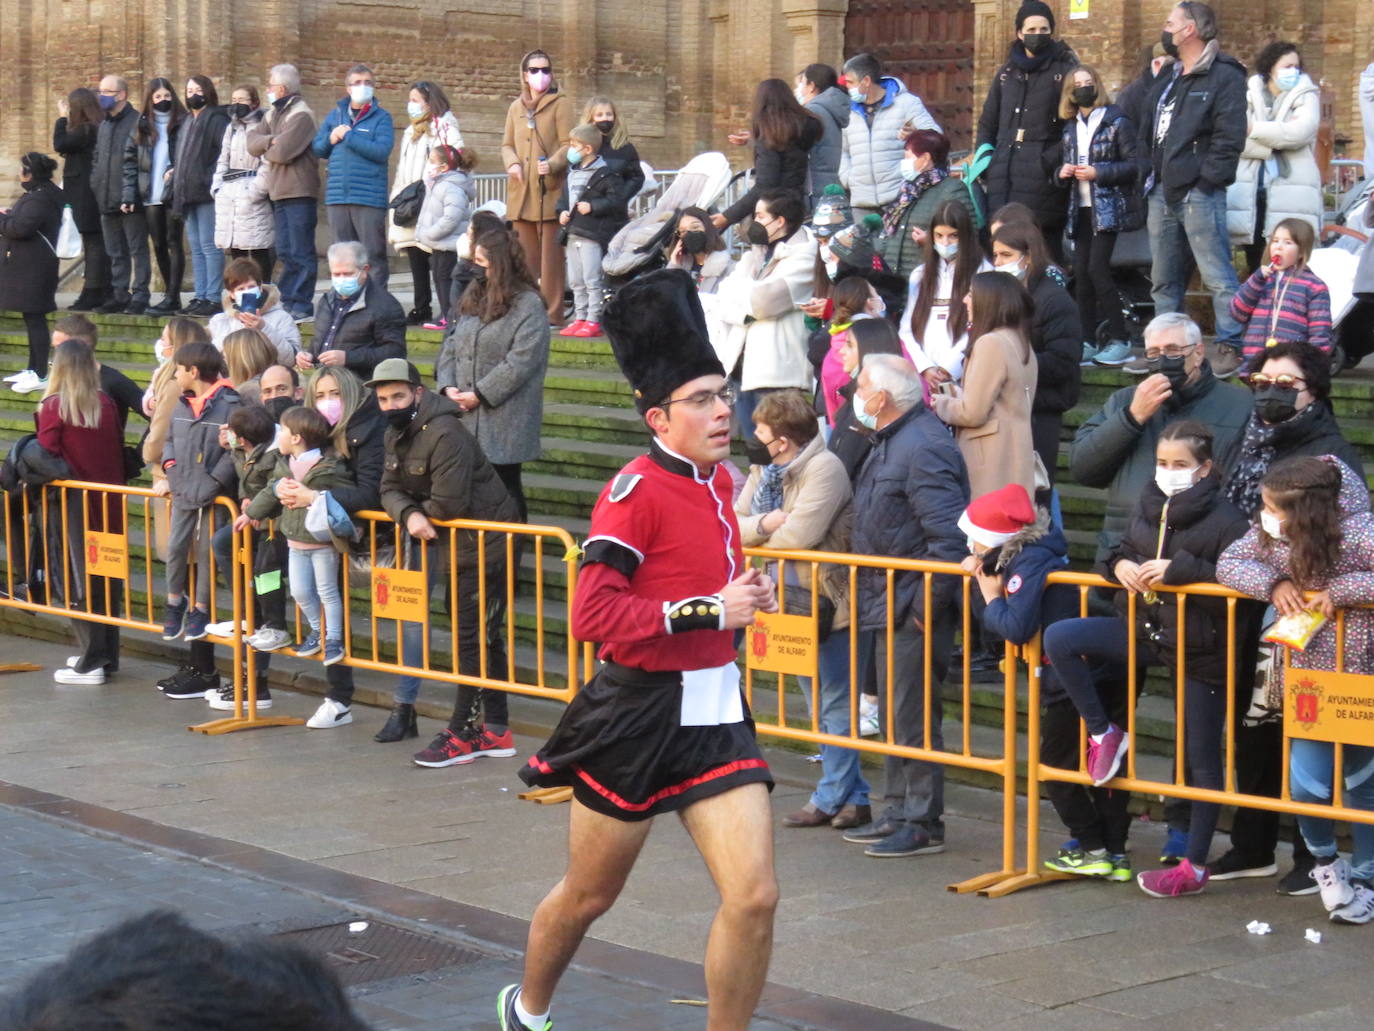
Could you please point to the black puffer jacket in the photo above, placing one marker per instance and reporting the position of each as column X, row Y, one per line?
column 1201, row 525
column 28, row 261
column 366, row 432
column 785, row 169
column 1021, row 120
column 624, row 162
column 107, row 170
column 195, row 157
column 605, row 193
column 1057, row 339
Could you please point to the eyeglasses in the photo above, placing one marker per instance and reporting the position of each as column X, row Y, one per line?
column 704, row 398
column 546, row 69
column 1168, row 352
column 109, row 93
column 1259, row 381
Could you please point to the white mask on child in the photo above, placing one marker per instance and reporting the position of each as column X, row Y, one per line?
column 1272, row 525
column 1174, row 481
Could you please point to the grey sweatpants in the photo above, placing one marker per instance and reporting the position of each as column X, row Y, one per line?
column 584, row 277
column 182, row 539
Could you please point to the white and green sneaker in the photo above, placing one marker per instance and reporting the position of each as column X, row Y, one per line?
column 1121, row 869
column 1081, row 863
column 505, row 1012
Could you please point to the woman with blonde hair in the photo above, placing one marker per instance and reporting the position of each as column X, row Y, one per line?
column 248, row 354
column 617, row 151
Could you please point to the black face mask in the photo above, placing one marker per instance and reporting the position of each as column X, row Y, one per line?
column 239, row 111
column 694, row 241
column 1166, row 40
column 604, row 127
column 1275, row 404
column 479, row 274
column 281, row 102
column 1084, row 96
column 757, row 234
column 1173, row 369
column 162, row 105
column 400, row 418
column 1034, row 42
column 278, row 405
column 195, row 101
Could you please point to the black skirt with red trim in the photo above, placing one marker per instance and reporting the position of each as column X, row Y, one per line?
column 622, row 749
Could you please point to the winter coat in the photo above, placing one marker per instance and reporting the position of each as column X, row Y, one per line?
column 434, row 466
column 991, row 416
column 1252, row 570
column 1131, row 100
column 197, row 468
column 77, row 147
column 197, row 157
column 849, row 441
column 329, row 472
column 533, row 200
column 871, row 151
column 778, row 169
column 372, row 330
column 1201, row 525
column 605, row 193
column 1283, row 130
column 817, row 497
column 1057, row 338
column 1304, row 315
column 107, row 169
column 1112, row 450
column 92, row 453
column 624, row 162
column 1207, row 131
column 908, row 497
column 708, row 275
column 900, row 252
column 284, row 139
column 28, row 234
column 411, row 165
column 138, row 162
column 823, row 168
column 503, row 362
column 1117, row 192
column 1020, row 118
column 277, row 324
column 358, row 162
column 1308, row 433
column 445, row 214
column 760, row 327
column 254, row 468
column 243, row 211
column 366, row 433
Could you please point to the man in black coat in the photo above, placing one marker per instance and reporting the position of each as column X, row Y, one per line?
column 357, row 323
column 125, row 232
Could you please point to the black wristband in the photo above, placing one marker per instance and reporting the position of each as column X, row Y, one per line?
column 706, row 612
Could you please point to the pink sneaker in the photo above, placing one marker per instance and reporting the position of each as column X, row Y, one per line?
column 441, row 324
column 588, row 329
column 1105, row 759
column 1172, row 881
column 573, row 330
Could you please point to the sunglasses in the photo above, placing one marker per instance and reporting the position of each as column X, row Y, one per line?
column 1259, row 381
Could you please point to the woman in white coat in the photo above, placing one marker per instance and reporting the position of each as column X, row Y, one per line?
column 243, row 213
column 432, row 122
column 1278, row 176
column 760, row 334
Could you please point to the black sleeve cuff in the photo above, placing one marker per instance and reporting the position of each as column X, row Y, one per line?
column 706, row 612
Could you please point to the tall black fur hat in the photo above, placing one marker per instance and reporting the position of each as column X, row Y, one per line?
column 658, row 334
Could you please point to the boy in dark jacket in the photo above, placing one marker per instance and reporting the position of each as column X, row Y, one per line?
column 253, row 443
column 592, row 210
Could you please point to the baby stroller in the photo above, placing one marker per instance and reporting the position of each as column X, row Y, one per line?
column 1344, row 241
column 639, row 246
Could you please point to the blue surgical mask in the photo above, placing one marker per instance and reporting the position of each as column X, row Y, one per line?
column 574, row 156
column 107, row 103
column 414, row 110
column 361, row 94
column 909, row 169
column 1288, row 78
column 857, row 95
column 862, row 416
column 346, row 286
column 947, row 250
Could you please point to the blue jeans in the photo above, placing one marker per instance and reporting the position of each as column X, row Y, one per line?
column 1311, row 765
column 842, row 781
column 1196, row 224
column 315, row 585
column 294, row 219
column 207, row 260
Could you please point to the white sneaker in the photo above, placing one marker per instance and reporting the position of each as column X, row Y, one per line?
column 268, row 639
column 224, row 628
column 28, row 383
column 72, row 660
column 223, row 698
column 15, row 377
column 68, row 675
column 330, row 714
column 868, row 718
column 1360, row 909
column 1333, row 880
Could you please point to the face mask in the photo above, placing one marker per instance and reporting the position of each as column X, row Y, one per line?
column 862, row 416
column 1288, row 78
column 1084, row 96
column 947, row 250
column 1034, row 42
column 479, row 274
column 757, row 234
column 195, row 101
column 280, row 102
column 278, row 406
column 1174, row 481
column 1014, row 269
column 1166, row 40
column 162, row 106
column 239, row 111
column 539, row 81
column 399, row 418
column 574, row 156
column 346, row 286
column 694, row 241
column 1271, row 524
column 415, row 111
column 876, row 307
column 1274, row 404
column 331, row 408
column 604, row 127
column 857, row 95
column 1172, row 368
column 361, row 94
column 801, row 97
column 241, row 295
column 909, row 171
column 107, row 103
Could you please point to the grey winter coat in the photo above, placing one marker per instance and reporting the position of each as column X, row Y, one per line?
column 445, row 213
column 243, row 212
column 503, row 362
column 871, row 156
column 197, row 468
column 832, row 108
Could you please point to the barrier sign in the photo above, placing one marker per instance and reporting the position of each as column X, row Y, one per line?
column 1324, row 706
column 107, row 554
column 400, row 594
column 781, row 644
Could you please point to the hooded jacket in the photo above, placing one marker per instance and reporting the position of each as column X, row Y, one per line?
column 871, row 153
column 243, row 212
column 445, row 213
column 277, row 324
column 254, row 468
column 1118, row 204
column 197, row 468
column 358, row 162
column 107, row 168
column 329, row 472
column 832, row 108
column 1283, row 130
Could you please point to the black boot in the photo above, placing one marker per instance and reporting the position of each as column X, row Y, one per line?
column 399, row 725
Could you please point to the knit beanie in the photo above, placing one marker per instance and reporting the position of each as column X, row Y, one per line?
column 1032, row 8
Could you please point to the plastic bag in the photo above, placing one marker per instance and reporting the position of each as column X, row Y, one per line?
column 1296, row 631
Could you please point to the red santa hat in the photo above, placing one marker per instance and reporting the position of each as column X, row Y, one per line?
column 998, row 516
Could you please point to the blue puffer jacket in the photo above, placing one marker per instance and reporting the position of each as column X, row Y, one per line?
column 358, row 163
column 908, row 497
column 1118, row 197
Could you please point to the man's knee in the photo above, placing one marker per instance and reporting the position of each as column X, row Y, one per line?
column 590, row 902
column 755, row 899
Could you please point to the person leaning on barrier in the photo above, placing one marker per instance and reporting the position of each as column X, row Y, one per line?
column 436, row 471
column 907, row 499
column 357, row 323
column 123, row 391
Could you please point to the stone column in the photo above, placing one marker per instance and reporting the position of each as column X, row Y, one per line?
column 817, row 29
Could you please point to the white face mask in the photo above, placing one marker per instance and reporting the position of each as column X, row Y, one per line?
column 1175, row 481
column 876, row 307
column 861, row 413
column 800, row 94
column 1271, row 524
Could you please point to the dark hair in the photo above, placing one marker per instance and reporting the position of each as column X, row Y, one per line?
column 1000, row 302
column 785, row 204
column 253, row 423
column 202, row 356
column 79, row 326
column 455, row 157
column 1313, row 361
column 483, row 222
column 850, row 296
column 295, row 376
column 1308, row 490
column 1302, row 234
column 1197, row 435
column 714, row 241
column 1269, row 56
column 863, row 66
column 40, row 166
column 1013, row 212
column 1027, row 238
column 875, row 336
column 953, row 214
column 928, row 141
column 435, row 96
column 207, row 86
column 254, row 97
column 822, row 76
column 146, row 132
column 779, row 122
column 788, row 414
column 507, row 275
column 1203, row 17
column 308, row 424
column 242, row 270
column 84, row 108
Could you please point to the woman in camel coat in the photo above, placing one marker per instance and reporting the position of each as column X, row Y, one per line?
column 534, row 151
column 991, row 409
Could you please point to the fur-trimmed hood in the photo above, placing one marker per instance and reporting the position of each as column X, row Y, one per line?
column 1041, row 531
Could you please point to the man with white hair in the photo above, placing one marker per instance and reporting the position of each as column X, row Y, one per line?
column 908, row 497
column 357, row 323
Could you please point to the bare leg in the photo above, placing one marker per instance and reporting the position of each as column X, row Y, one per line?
column 734, row 833
column 601, row 853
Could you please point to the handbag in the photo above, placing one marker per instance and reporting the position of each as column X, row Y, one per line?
column 405, row 206
column 68, row 246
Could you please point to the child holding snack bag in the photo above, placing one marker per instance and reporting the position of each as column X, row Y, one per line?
column 1316, row 535
column 1284, row 300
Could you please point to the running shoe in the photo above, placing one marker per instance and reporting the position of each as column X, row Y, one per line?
column 1104, row 757
column 1173, row 881
column 1080, row 863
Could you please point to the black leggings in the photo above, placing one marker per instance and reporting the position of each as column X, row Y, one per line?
column 261, row 255
column 419, row 273
column 443, row 264
column 40, row 343
column 1093, row 286
column 164, row 231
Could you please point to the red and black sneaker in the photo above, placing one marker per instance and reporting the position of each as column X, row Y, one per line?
column 450, row 749
column 485, row 743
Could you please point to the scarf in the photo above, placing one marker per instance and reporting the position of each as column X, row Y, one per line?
column 910, row 193
column 768, row 495
column 1027, row 63
column 1257, row 454
column 419, row 126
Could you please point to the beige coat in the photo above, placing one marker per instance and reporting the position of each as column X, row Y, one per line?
column 523, row 146
column 818, row 499
column 992, row 413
